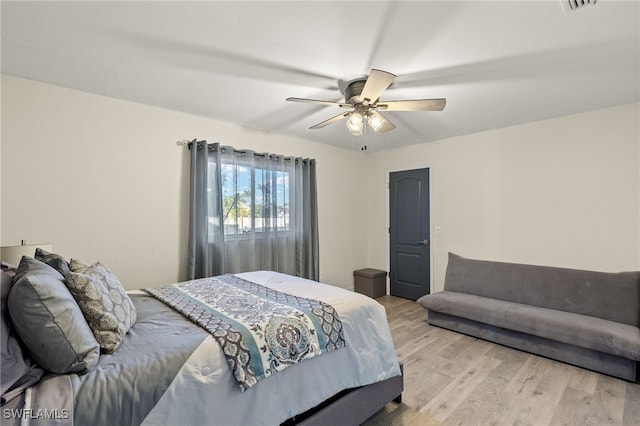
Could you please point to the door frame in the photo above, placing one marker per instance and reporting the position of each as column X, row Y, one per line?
column 432, row 234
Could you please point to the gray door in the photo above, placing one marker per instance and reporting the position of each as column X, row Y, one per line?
column 409, row 233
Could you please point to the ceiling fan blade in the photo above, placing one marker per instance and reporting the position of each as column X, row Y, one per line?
column 377, row 82
column 413, row 105
column 331, row 120
column 386, row 124
column 316, row 101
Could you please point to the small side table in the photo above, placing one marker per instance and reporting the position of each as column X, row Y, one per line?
column 370, row 282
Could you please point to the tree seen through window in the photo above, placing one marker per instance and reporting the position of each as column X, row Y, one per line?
column 254, row 200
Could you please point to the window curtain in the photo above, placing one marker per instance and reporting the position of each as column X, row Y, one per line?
column 251, row 211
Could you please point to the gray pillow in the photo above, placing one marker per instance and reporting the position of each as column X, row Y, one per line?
column 56, row 261
column 49, row 321
column 19, row 371
column 103, row 301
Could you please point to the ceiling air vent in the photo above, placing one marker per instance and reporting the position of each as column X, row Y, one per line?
column 576, row 4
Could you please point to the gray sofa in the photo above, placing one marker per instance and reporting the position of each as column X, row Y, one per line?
column 585, row 318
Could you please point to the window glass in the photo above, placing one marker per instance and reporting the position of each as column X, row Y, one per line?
column 254, row 200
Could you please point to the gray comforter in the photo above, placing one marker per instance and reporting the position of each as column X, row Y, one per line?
column 151, row 355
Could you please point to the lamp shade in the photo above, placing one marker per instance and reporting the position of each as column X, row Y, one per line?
column 13, row 254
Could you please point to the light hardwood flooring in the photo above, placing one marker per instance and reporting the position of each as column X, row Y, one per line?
column 454, row 379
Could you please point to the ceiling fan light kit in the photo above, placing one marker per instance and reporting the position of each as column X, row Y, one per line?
column 375, row 121
column 362, row 96
column 355, row 123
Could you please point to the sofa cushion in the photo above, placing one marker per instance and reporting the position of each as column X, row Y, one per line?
column 588, row 332
column 610, row 296
column 477, row 308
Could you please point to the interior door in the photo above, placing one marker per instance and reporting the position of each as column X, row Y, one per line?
column 409, row 233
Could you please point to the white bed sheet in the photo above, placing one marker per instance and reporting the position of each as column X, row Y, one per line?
column 204, row 391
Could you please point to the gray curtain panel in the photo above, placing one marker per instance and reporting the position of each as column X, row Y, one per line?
column 251, row 211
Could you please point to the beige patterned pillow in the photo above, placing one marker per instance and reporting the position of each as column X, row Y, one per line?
column 103, row 301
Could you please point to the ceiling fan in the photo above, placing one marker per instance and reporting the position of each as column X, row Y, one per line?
column 362, row 98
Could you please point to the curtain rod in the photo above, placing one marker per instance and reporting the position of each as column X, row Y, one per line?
column 185, row 142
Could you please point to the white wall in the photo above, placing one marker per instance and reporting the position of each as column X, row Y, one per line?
column 102, row 179
column 561, row 192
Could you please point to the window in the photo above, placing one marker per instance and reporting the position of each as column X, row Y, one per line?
column 255, row 200
column 250, row 211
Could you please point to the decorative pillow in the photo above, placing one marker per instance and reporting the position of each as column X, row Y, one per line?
column 49, row 321
column 56, row 261
column 76, row 266
column 104, row 303
column 19, row 371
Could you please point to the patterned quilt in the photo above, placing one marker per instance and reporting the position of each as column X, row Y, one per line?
column 261, row 331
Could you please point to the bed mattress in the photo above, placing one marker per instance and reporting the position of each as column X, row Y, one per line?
column 204, row 385
column 169, row 371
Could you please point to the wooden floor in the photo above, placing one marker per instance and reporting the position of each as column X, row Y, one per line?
column 453, row 379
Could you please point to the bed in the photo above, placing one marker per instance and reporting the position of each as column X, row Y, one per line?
column 169, row 371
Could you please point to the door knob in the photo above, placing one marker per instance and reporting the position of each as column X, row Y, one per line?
column 423, row 242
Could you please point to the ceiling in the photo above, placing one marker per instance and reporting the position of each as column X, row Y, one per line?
column 497, row 63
